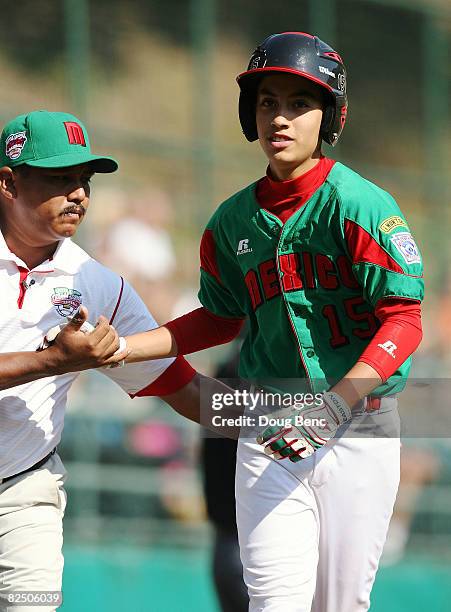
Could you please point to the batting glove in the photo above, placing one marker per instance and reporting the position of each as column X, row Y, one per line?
column 306, row 430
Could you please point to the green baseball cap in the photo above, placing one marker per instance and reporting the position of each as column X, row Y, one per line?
column 45, row 139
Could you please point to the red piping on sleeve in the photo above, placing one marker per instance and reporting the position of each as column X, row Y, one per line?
column 177, row 376
column 118, row 301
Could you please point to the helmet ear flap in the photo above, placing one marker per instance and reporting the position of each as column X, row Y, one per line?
column 327, row 121
column 246, row 106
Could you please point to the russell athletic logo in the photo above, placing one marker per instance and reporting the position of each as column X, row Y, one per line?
column 243, row 247
column 66, row 301
column 14, row 144
column 389, row 347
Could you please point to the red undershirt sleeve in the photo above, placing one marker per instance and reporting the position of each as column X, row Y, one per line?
column 177, row 376
column 397, row 338
column 201, row 329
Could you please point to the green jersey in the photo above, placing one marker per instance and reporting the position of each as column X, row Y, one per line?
column 309, row 287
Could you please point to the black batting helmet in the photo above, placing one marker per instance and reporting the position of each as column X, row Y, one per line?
column 304, row 55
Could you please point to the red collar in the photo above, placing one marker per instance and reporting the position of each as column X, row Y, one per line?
column 283, row 198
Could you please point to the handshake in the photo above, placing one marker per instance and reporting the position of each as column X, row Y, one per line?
column 78, row 345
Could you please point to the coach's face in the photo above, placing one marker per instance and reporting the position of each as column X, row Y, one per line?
column 44, row 205
column 288, row 115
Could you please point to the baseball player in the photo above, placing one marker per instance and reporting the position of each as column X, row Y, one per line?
column 46, row 166
column 323, row 264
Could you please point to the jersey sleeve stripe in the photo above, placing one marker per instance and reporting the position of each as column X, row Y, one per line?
column 118, row 301
column 208, row 261
column 364, row 249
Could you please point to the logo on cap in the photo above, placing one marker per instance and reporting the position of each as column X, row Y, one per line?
column 14, row 144
column 75, row 133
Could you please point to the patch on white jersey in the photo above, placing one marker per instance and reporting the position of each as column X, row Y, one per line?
column 406, row 245
column 66, row 300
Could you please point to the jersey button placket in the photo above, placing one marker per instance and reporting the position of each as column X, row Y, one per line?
column 282, row 246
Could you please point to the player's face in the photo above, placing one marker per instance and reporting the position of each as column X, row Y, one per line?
column 288, row 114
column 49, row 204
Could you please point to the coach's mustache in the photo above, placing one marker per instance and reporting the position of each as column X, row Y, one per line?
column 77, row 209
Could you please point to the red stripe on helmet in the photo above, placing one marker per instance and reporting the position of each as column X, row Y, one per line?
column 343, row 115
column 305, row 75
column 301, row 33
column 334, row 55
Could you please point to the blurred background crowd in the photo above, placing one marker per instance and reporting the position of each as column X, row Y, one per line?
column 155, row 84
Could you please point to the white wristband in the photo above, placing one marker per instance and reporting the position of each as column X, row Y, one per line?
column 122, row 345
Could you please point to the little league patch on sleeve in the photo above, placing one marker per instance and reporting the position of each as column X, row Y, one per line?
column 406, row 245
column 390, row 223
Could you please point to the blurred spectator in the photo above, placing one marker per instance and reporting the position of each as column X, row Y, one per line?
column 419, row 467
column 138, row 246
column 422, row 459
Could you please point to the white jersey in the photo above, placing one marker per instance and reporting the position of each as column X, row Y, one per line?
column 32, row 414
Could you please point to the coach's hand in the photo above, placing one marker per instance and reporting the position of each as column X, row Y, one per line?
column 79, row 346
column 306, row 430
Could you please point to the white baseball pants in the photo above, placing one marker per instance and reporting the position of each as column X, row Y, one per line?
column 31, row 533
column 311, row 533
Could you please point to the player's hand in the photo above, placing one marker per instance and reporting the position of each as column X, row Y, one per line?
column 306, row 430
column 78, row 345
